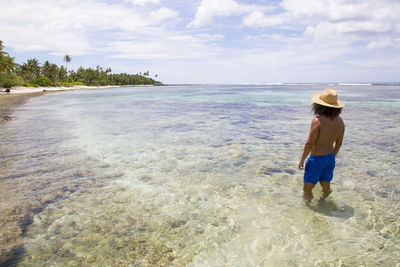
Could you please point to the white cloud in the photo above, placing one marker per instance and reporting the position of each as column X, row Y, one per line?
column 258, row 19
column 167, row 46
column 157, row 16
column 384, row 43
column 325, row 18
column 322, row 40
column 213, row 8
column 332, row 10
column 72, row 26
column 209, row 9
column 357, row 35
column 143, row 2
column 328, row 30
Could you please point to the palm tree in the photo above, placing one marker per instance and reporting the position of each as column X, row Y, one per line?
column 62, row 73
column 53, row 71
column 34, row 69
column 1, row 49
column 67, row 59
column 6, row 62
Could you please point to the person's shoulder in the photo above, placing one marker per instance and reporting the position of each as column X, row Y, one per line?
column 316, row 120
column 340, row 120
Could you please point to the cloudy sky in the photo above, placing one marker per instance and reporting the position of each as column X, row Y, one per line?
column 212, row 41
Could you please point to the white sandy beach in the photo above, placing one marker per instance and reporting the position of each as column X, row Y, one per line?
column 29, row 90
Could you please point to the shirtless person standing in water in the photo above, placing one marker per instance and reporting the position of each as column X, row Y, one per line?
column 323, row 143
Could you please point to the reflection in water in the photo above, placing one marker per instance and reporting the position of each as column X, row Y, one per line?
column 201, row 176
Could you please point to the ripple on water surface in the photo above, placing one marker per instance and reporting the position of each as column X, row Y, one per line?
column 204, row 179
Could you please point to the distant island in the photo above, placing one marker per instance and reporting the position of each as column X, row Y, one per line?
column 34, row 74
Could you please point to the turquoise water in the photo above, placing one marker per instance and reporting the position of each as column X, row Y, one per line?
column 202, row 176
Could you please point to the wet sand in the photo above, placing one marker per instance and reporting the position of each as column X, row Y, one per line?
column 8, row 101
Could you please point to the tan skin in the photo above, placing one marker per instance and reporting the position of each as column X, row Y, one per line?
column 326, row 136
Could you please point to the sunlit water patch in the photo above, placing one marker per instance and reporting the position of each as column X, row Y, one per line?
column 204, row 176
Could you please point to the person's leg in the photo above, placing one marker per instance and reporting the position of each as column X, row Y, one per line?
column 308, row 187
column 327, row 176
column 326, row 189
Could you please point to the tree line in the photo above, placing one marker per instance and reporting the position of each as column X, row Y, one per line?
column 33, row 74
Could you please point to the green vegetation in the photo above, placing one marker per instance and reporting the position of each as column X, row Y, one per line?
column 33, row 74
column 8, row 78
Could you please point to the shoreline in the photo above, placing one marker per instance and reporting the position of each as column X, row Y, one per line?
column 19, row 95
column 9, row 101
column 31, row 90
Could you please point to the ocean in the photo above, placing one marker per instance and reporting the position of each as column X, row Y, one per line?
column 199, row 175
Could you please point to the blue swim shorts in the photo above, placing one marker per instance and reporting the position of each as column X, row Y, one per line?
column 319, row 168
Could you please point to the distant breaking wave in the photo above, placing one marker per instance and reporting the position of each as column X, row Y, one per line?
column 337, row 84
column 352, row 84
column 370, row 84
column 316, row 83
column 328, row 84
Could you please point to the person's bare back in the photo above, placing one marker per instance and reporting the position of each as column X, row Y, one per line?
column 330, row 135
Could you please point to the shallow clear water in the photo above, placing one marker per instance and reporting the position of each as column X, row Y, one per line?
column 202, row 176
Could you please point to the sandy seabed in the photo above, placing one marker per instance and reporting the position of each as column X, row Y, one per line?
column 15, row 209
column 196, row 176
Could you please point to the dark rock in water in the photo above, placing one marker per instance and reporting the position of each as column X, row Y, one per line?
column 239, row 163
column 130, row 220
column 66, row 253
column 142, row 227
column 177, row 223
column 271, row 171
column 382, row 194
column 7, row 90
column 291, row 172
column 145, row 178
column 371, row 173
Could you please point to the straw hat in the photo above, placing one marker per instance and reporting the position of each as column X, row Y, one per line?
column 328, row 98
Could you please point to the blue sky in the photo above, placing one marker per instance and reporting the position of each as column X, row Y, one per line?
column 212, row 41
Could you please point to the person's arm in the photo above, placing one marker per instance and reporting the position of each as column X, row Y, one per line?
column 338, row 143
column 312, row 138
